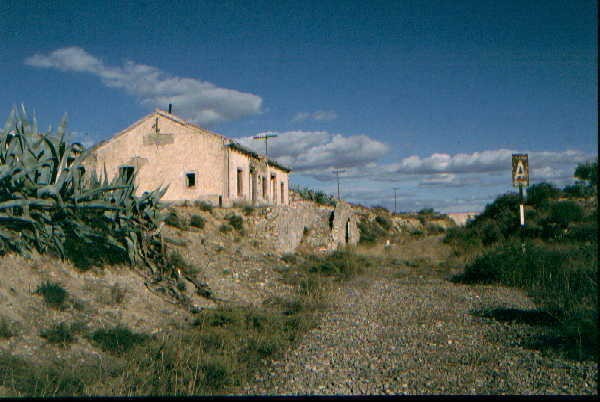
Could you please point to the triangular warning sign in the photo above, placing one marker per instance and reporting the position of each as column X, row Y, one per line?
column 520, row 171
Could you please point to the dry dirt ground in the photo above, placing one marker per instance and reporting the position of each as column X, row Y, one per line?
column 406, row 329
column 401, row 329
column 234, row 266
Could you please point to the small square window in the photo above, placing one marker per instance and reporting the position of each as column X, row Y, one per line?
column 190, row 179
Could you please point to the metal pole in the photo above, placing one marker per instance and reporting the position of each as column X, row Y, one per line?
column 337, row 174
column 266, row 138
column 522, row 218
column 395, row 188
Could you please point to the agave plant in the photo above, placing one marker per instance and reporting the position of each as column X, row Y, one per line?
column 48, row 200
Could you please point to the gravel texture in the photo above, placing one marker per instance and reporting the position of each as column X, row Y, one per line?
column 401, row 332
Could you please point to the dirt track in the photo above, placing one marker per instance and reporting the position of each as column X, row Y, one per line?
column 408, row 330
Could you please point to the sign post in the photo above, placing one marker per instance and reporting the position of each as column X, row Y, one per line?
column 520, row 178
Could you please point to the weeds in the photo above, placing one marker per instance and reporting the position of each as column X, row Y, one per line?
column 42, row 381
column 203, row 206
column 197, row 221
column 117, row 340
column 6, row 329
column 60, row 334
column 173, row 219
column 54, row 294
column 235, row 221
column 224, row 228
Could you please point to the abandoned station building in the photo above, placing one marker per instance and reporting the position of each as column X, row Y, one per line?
column 197, row 164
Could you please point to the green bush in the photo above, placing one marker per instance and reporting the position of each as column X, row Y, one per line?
column 117, row 340
column 564, row 212
column 385, row 223
column 173, row 219
column 203, row 205
column 235, row 221
column 40, row 381
column 588, row 172
column 341, row 264
column 248, row 210
column 578, row 190
column 317, row 196
column 50, row 203
column 370, row 231
column 563, row 281
column 197, row 221
column 224, row 228
column 434, row 228
column 490, row 232
column 6, row 329
column 59, row 333
column 539, row 194
column 54, row 294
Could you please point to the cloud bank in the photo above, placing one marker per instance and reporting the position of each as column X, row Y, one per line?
column 319, row 115
column 313, row 152
column 198, row 101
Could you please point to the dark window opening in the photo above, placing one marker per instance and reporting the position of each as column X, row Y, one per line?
column 331, row 218
column 282, row 194
column 126, row 173
column 190, row 179
column 240, row 182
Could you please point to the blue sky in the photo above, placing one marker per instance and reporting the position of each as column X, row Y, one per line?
column 429, row 97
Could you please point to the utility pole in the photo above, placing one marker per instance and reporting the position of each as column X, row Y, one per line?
column 395, row 189
column 266, row 137
column 337, row 174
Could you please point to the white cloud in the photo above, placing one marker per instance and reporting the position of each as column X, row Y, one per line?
column 489, row 161
column 315, row 152
column 199, row 101
column 319, row 115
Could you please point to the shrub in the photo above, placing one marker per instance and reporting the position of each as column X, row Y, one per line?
column 59, row 333
column 290, row 258
column 173, row 219
column 588, row 172
column 434, row 228
column 578, row 190
column 203, row 205
column 117, row 340
column 50, row 203
column 235, row 221
column 248, row 210
column 383, row 222
column 370, row 231
column 37, row 380
column 224, row 228
column 197, row 221
column 317, row 196
column 215, row 375
column 6, row 329
column 489, row 232
column 564, row 212
column 342, row 264
column 176, row 261
column 54, row 294
column 561, row 280
column 539, row 194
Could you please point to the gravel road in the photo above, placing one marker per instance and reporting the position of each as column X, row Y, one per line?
column 401, row 332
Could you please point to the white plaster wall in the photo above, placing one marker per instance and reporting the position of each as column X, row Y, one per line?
column 192, row 150
column 182, row 148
